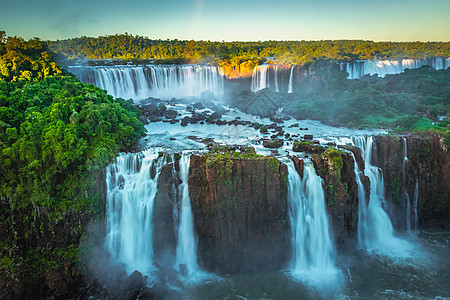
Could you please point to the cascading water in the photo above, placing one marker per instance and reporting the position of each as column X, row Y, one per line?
column 375, row 231
column 276, row 79
column 360, row 68
column 140, row 82
column 260, row 78
column 416, row 200
column 131, row 191
column 187, row 244
column 405, row 191
column 290, row 88
column 313, row 257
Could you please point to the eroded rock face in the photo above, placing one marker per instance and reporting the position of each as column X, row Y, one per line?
column 429, row 165
column 240, row 213
column 337, row 169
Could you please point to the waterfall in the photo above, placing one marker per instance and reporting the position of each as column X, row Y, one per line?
column 141, row 82
column 375, row 231
column 313, row 257
column 416, row 200
column 131, row 192
column 290, row 88
column 187, row 244
column 359, row 68
column 260, row 78
column 276, row 79
column 405, row 191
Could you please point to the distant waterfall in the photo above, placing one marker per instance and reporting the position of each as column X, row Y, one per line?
column 187, row 244
column 360, row 68
column 276, row 80
column 260, row 78
column 375, row 231
column 313, row 251
column 131, row 192
column 290, row 88
column 165, row 82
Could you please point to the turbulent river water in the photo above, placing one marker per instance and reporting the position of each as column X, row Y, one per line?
column 421, row 274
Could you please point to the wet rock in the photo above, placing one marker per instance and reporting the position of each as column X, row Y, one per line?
column 170, row 114
column 56, row 283
column 294, row 125
column 308, row 137
column 337, row 169
column 305, row 146
column 221, row 122
column 198, row 105
column 428, row 166
column 241, row 213
column 273, row 143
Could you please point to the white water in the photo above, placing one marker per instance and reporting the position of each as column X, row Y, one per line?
column 276, row 79
column 375, row 231
column 405, row 191
column 313, row 259
column 290, row 88
column 187, row 244
column 416, row 200
column 129, row 208
column 360, row 68
column 165, row 81
column 260, row 78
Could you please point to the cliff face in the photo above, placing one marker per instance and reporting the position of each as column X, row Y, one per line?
column 39, row 249
column 240, row 213
column 337, row 169
column 425, row 178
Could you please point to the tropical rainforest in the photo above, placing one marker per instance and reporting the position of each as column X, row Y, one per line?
column 57, row 135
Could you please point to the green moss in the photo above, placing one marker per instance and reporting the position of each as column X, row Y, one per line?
column 336, row 163
column 274, row 164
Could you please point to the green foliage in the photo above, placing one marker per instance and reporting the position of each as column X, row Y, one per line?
column 25, row 60
column 242, row 55
column 335, row 161
column 55, row 136
column 404, row 101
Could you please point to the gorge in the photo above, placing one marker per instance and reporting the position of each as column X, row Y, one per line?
column 216, row 202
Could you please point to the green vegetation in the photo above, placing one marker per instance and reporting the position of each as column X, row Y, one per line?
column 129, row 47
column 57, row 135
column 407, row 101
column 335, row 162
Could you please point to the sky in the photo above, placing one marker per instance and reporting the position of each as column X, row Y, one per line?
column 230, row 20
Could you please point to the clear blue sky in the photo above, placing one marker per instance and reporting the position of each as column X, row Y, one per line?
column 382, row 20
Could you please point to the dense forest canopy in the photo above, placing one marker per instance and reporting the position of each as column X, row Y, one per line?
column 129, row 47
column 54, row 129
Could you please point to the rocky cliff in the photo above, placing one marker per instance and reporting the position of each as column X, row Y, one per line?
column 337, row 169
column 240, row 212
column 425, row 178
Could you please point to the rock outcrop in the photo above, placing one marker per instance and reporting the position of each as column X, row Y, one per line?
column 428, row 166
column 337, row 169
column 240, row 212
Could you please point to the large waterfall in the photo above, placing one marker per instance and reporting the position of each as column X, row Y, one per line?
column 261, row 78
column 375, row 231
column 187, row 244
column 360, row 68
column 313, row 257
column 131, row 192
column 165, row 81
